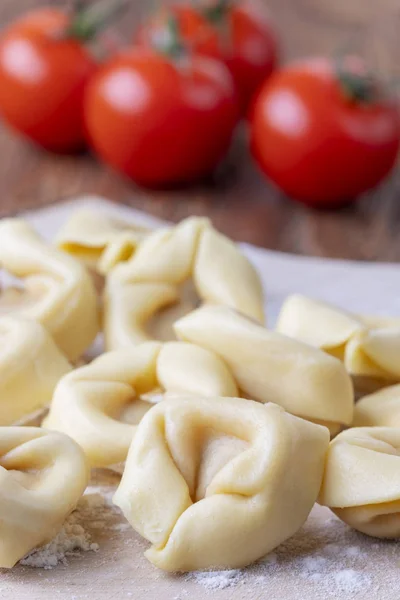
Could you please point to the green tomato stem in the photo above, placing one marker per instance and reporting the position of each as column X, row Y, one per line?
column 88, row 21
column 358, row 87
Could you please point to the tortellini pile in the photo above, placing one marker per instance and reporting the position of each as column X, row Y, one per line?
column 220, row 426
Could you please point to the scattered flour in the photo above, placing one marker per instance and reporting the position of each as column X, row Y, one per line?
column 218, row 580
column 351, row 581
column 326, row 560
column 325, row 556
column 121, row 527
column 73, row 538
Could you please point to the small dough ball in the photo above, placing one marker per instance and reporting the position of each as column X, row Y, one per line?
column 42, row 476
column 30, row 367
column 361, row 483
column 220, row 482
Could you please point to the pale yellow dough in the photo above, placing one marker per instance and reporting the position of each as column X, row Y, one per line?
column 270, row 367
column 57, row 292
column 42, row 476
column 361, row 482
column 369, row 346
column 99, row 240
column 30, row 367
column 152, row 280
column 100, row 405
column 220, row 482
column 381, row 409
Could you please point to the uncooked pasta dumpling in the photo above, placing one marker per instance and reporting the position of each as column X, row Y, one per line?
column 270, row 367
column 381, row 409
column 369, row 346
column 172, row 271
column 57, row 291
column 42, row 476
column 30, row 368
column 100, row 405
column 98, row 239
column 361, row 482
column 318, row 323
column 220, row 482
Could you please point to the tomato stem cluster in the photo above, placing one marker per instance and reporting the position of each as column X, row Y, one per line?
column 359, row 86
column 216, row 12
column 168, row 40
column 88, row 21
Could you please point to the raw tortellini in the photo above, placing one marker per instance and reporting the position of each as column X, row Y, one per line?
column 30, row 367
column 369, row 346
column 42, row 476
column 381, row 409
column 57, row 292
column 361, row 482
column 220, row 482
column 99, row 240
column 153, row 279
column 270, row 367
column 101, row 404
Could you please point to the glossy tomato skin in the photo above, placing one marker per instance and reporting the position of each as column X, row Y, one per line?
column 316, row 144
column 159, row 122
column 42, row 81
column 243, row 39
column 252, row 55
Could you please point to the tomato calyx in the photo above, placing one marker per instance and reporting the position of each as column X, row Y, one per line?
column 357, row 83
column 167, row 39
column 217, row 11
column 88, row 21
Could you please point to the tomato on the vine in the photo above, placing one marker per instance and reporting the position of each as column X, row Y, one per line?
column 160, row 120
column 43, row 73
column 237, row 32
column 324, row 131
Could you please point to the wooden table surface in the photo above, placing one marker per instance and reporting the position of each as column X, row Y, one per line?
column 239, row 200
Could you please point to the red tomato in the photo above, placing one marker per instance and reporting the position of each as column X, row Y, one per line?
column 237, row 33
column 42, row 80
column 321, row 138
column 158, row 121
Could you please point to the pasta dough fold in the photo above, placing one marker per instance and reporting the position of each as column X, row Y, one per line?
column 99, row 240
column 361, row 482
column 219, row 482
column 30, row 368
column 100, row 405
column 381, row 409
column 270, row 367
column 369, row 346
column 58, row 292
column 152, row 280
column 42, row 476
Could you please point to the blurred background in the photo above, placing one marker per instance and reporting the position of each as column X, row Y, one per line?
column 237, row 198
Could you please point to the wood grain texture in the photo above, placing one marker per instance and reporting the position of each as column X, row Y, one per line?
column 238, row 199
